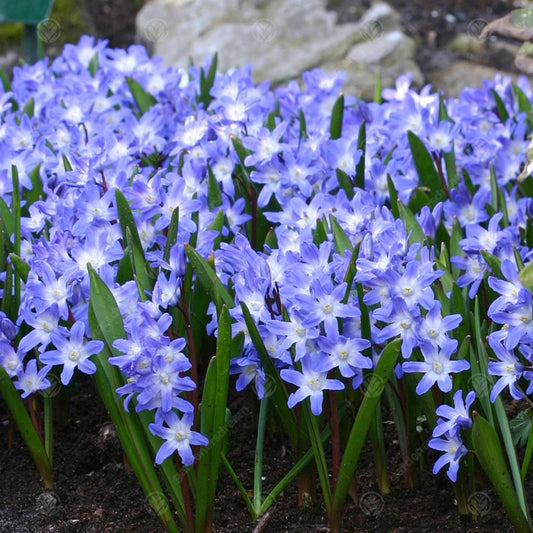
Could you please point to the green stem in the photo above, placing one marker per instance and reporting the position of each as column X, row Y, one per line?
column 318, row 452
column 48, row 427
column 378, row 445
column 258, row 462
column 511, row 456
column 27, row 430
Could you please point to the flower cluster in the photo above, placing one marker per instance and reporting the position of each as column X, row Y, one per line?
column 326, row 240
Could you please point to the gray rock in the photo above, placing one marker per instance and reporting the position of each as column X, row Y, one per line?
column 388, row 56
column 281, row 38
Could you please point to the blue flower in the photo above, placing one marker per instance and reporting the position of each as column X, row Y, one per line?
column 72, row 351
column 436, row 367
column 454, row 418
column 311, row 384
column 178, row 437
column 453, row 449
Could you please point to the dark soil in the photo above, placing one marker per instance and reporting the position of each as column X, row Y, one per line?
column 96, row 492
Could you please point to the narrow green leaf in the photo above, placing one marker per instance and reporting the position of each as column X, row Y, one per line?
column 207, row 276
column 214, row 194
column 393, row 195
column 451, row 168
column 133, row 241
column 526, row 275
column 493, row 262
column 412, row 226
column 172, row 233
column 303, row 126
column 214, row 427
column 29, row 108
column 337, row 114
column 492, row 459
column 341, row 240
column 500, row 107
column 206, row 82
column 279, row 395
column 143, row 99
column 345, row 182
column 93, row 65
column 425, row 168
column 4, row 78
column 524, row 105
column 21, row 267
column 443, row 112
column 359, row 430
column 360, row 167
column 28, row 432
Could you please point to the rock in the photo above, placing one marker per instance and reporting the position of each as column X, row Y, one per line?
column 388, row 55
column 453, row 78
column 281, row 38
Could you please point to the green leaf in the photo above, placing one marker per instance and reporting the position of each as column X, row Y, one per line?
column 360, row 427
column 21, row 267
column 337, row 114
column 526, row 275
column 500, row 107
column 93, row 65
column 4, row 78
column 214, row 402
column 524, row 105
column 393, row 195
column 206, row 82
column 520, row 427
column 207, row 276
column 133, row 241
column 172, row 233
column 490, row 455
column 214, row 194
column 303, row 126
column 279, row 396
column 443, row 112
column 26, row 428
column 143, row 99
column 360, row 167
column 412, row 226
column 425, row 168
column 29, row 108
column 340, row 238
column 345, row 182
column 493, row 262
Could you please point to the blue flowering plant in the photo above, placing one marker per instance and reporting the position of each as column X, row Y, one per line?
column 174, row 233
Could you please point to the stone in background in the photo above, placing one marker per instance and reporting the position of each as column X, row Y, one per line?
column 281, row 38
